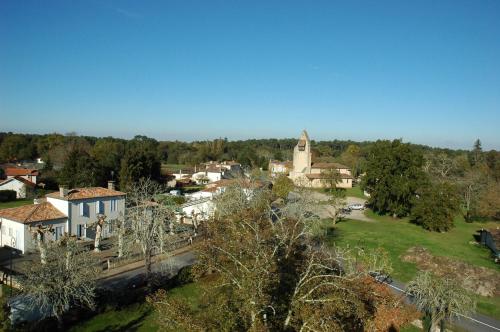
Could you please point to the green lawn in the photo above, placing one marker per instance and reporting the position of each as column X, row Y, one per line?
column 138, row 317
column 355, row 192
column 397, row 236
column 16, row 203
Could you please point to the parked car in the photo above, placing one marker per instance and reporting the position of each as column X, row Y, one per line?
column 346, row 210
column 356, row 206
column 381, row 277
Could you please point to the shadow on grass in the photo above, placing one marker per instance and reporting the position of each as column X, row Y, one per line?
column 133, row 325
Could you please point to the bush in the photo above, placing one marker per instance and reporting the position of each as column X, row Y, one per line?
column 185, row 276
column 436, row 206
column 7, row 195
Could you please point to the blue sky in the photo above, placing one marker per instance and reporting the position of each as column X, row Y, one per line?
column 424, row 71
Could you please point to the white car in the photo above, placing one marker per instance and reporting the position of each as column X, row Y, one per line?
column 357, row 206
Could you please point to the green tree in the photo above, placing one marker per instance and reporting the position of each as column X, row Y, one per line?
column 435, row 207
column 393, row 174
column 80, row 170
column 351, row 157
column 16, row 147
column 140, row 161
column 282, row 186
column 108, row 153
column 330, row 179
column 476, row 154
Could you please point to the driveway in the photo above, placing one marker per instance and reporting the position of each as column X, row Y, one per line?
column 357, row 214
column 324, row 210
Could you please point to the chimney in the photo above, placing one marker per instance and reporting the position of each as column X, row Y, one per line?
column 111, row 185
column 63, row 191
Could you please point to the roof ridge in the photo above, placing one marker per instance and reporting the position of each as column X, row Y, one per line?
column 37, row 206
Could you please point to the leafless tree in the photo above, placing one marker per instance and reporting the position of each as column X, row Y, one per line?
column 39, row 233
column 252, row 253
column 149, row 220
column 122, row 229
column 59, row 284
column 98, row 227
column 472, row 184
column 440, row 298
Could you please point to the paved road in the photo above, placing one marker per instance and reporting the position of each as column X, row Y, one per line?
column 168, row 267
column 475, row 323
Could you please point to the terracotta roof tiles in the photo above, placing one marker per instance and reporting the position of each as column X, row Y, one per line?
column 32, row 213
column 84, row 193
column 12, row 171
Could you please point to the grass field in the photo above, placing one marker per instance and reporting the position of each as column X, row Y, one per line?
column 16, row 203
column 397, row 236
column 355, row 192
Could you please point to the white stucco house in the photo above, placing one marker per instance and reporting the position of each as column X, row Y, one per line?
column 23, row 188
column 277, row 168
column 201, row 204
column 216, row 171
column 66, row 211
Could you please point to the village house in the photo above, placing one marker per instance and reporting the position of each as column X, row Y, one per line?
column 26, row 173
column 277, row 168
column 66, row 212
column 215, row 171
column 23, row 188
column 307, row 173
column 201, row 205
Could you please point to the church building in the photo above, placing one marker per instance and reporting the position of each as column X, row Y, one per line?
column 307, row 173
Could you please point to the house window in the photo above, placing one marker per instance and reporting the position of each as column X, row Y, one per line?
column 10, row 231
column 59, row 232
column 80, row 230
column 99, row 207
column 113, row 205
column 3, row 230
column 84, row 210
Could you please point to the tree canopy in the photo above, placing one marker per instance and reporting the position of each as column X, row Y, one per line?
column 393, row 175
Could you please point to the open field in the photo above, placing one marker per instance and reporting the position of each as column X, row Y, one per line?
column 397, row 236
column 16, row 203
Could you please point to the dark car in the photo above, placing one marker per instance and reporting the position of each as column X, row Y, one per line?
column 381, row 277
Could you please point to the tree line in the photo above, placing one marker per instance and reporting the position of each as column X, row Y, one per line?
column 432, row 186
column 85, row 160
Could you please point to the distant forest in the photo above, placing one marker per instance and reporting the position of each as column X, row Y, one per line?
column 86, row 160
column 253, row 152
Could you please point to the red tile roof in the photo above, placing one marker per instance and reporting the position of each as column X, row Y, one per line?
column 329, row 166
column 18, row 178
column 84, row 193
column 12, row 171
column 325, row 176
column 32, row 213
